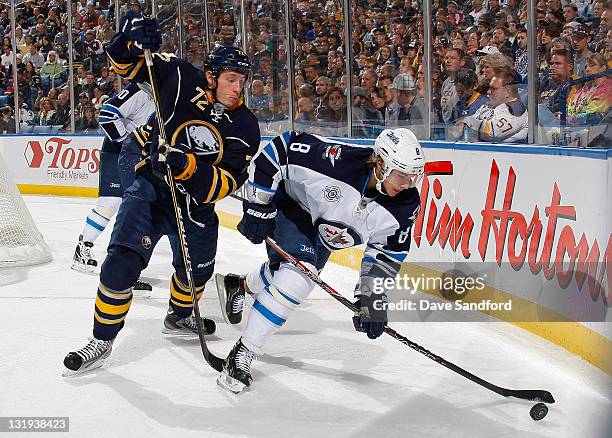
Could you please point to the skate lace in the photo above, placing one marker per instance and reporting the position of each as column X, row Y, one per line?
column 238, row 303
column 93, row 349
column 189, row 322
column 244, row 358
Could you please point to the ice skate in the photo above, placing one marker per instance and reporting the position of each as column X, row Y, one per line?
column 231, row 292
column 83, row 259
column 88, row 358
column 142, row 289
column 236, row 374
column 177, row 326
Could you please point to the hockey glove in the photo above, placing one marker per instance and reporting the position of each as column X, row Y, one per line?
column 258, row 221
column 182, row 164
column 372, row 314
column 143, row 32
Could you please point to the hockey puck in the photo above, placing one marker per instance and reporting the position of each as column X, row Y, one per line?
column 538, row 411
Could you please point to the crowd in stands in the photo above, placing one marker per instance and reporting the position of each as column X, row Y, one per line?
column 479, row 76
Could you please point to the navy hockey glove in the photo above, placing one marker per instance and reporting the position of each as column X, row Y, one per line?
column 143, row 32
column 183, row 164
column 258, row 221
column 372, row 316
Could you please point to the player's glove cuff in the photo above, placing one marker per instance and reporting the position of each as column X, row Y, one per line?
column 258, row 221
column 371, row 317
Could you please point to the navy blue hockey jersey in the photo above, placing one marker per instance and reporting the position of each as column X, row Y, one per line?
column 223, row 141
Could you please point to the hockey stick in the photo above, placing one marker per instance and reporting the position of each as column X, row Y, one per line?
column 538, row 395
column 211, row 359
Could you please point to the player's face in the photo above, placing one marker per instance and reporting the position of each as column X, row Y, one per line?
column 398, row 181
column 230, row 85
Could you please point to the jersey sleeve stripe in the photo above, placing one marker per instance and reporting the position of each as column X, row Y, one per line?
column 213, row 185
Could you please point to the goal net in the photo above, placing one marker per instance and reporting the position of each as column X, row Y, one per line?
column 20, row 242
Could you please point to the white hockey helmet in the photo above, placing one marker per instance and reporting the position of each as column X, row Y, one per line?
column 401, row 151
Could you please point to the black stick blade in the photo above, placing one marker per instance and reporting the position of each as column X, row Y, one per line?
column 536, row 395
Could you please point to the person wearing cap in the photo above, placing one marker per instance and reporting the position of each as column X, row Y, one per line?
column 454, row 15
column 580, row 43
column 410, row 109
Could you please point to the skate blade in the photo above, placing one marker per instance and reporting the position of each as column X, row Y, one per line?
column 229, row 383
column 180, row 333
column 222, row 297
column 141, row 293
column 80, row 267
column 81, row 372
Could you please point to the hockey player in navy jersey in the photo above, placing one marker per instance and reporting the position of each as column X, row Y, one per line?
column 315, row 195
column 211, row 136
column 119, row 116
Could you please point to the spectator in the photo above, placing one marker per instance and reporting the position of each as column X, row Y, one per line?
column 6, row 59
column 7, row 122
column 332, row 117
column 46, row 115
column 51, row 72
column 34, row 57
column 260, row 101
column 411, row 108
column 98, row 98
column 591, row 103
column 322, row 85
column 555, row 89
column 580, row 41
column 305, row 111
column 507, row 122
column 453, row 63
column 88, row 122
column 521, row 63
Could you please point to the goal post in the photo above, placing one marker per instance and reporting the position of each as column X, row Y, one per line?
column 21, row 244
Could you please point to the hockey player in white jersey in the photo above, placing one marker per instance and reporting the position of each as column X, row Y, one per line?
column 315, row 195
column 121, row 114
column 504, row 118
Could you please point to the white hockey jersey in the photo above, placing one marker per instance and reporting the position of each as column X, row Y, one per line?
column 328, row 178
column 506, row 123
column 125, row 111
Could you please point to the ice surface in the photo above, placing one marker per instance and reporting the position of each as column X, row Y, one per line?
column 319, row 378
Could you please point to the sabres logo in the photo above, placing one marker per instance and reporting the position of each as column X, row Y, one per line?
column 146, row 242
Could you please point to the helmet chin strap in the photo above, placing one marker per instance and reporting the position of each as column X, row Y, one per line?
column 379, row 182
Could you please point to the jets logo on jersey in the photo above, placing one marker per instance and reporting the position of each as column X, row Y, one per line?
column 332, row 153
column 332, row 193
column 336, row 235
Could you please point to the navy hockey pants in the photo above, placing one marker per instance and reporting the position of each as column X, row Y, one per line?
column 146, row 214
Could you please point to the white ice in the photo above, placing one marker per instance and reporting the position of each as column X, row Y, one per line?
column 319, row 377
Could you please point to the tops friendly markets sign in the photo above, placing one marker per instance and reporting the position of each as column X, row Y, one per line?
column 54, row 160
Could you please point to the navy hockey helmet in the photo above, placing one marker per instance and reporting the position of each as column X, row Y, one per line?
column 229, row 58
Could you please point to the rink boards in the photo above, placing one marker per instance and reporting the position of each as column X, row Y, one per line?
column 532, row 221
